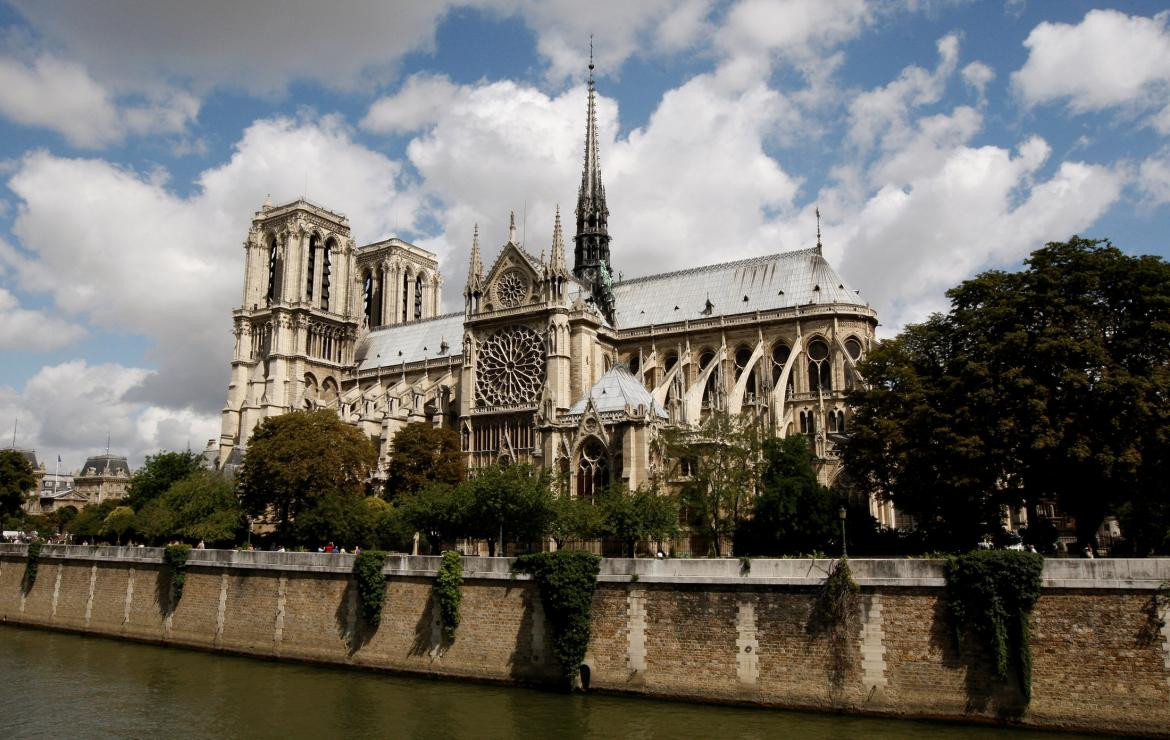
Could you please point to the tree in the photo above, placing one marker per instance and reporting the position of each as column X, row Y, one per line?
column 298, row 457
column 644, row 514
column 1049, row 383
column 574, row 518
column 202, row 506
column 437, row 511
column 16, row 480
column 792, row 513
column 723, row 456
column 343, row 518
column 509, row 503
column 158, row 474
column 422, row 454
column 89, row 521
column 118, row 522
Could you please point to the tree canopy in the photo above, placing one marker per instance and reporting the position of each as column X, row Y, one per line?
column 295, row 458
column 16, row 480
column 157, row 474
column 422, row 454
column 201, row 506
column 792, row 513
column 1048, row 383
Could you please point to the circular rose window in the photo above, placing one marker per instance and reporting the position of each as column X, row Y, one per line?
column 512, row 289
column 511, row 367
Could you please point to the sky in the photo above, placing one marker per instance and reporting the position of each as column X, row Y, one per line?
column 938, row 138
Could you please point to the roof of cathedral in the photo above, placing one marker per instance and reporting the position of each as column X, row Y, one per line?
column 773, row 281
column 414, row 341
column 617, row 390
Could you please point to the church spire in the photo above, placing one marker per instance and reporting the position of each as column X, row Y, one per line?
column 557, row 261
column 474, row 287
column 818, row 212
column 591, row 262
column 512, row 228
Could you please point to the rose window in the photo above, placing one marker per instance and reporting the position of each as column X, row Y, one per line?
column 511, row 367
column 512, row 289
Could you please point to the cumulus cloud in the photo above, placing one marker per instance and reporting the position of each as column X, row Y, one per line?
column 978, row 75
column 416, row 105
column 70, row 408
column 1107, row 60
column 1154, row 179
column 63, row 97
column 28, row 330
column 118, row 249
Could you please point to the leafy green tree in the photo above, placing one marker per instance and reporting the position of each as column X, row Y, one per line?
column 158, row 474
column 509, row 503
column 296, row 458
column 422, row 453
column 1048, row 383
column 202, row 506
column 574, row 518
column 16, row 480
column 724, row 455
column 346, row 519
column 641, row 515
column 438, row 511
column 88, row 522
column 118, row 522
column 792, row 513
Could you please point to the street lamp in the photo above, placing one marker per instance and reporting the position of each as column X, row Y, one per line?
column 841, row 513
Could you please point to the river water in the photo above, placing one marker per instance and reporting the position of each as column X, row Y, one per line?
column 60, row 685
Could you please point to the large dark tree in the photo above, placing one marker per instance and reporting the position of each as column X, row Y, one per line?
column 201, row 506
column 158, row 474
column 1048, row 383
column 510, row 503
column 295, row 458
column 792, row 513
column 422, row 454
column 16, row 480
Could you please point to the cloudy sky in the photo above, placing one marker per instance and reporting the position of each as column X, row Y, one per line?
column 938, row 137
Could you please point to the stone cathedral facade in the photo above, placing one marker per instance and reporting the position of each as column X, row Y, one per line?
column 551, row 362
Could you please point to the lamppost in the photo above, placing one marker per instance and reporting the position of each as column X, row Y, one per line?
column 841, row 513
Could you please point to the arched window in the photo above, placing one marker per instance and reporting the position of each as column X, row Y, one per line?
column 634, row 364
column 592, row 470
column 326, row 272
column 313, row 244
column 832, row 421
column 853, row 347
column 368, row 297
column 273, row 271
column 841, row 422
column 711, row 391
column 418, row 297
column 671, row 361
column 780, row 355
column 820, row 372
column 743, row 355
column 405, row 296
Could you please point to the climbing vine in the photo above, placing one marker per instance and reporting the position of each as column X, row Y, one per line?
column 371, row 584
column 30, row 565
column 991, row 593
column 834, row 616
column 566, row 580
column 175, row 557
column 448, row 585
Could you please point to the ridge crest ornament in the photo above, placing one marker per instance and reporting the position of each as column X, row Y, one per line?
column 511, row 289
column 511, row 367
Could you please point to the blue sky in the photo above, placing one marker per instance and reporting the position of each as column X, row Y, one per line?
column 939, row 139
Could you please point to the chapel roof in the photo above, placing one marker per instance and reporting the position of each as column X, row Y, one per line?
column 617, row 390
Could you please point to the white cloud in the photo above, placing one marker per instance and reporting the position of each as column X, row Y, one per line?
column 63, row 97
column 416, row 105
column 27, row 330
column 1154, row 179
column 117, row 249
column 70, row 408
column 791, row 28
column 978, row 75
column 1109, row 59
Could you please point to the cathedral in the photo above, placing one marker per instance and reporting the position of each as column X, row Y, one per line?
column 550, row 362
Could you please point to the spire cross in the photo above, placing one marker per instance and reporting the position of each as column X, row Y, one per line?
column 818, row 212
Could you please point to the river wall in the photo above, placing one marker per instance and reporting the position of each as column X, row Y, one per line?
column 702, row 630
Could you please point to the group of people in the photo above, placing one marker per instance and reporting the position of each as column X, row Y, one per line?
column 337, row 550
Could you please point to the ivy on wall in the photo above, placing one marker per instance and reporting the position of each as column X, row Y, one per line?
column 991, row 593
column 448, row 591
column 566, row 580
column 834, row 616
column 175, row 557
column 371, row 584
column 30, row 566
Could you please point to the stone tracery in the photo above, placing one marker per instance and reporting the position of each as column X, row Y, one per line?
column 511, row 367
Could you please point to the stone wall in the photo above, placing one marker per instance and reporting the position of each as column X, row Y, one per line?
column 692, row 629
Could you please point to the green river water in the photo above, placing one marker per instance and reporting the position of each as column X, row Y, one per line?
column 68, row 686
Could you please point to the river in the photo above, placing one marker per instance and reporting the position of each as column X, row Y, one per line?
column 61, row 685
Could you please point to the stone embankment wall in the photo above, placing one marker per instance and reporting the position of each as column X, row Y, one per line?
column 705, row 630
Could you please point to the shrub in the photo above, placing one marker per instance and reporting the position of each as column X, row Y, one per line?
column 834, row 616
column 30, row 565
column 566, row 580
column 993, row 591
column 175, row 557
column 371, row 584
column 448, row 585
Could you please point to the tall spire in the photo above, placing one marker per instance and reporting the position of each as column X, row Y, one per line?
column 512, row 228
column 557, row 261
column 476, row 268
column 818, row 212
column 591, row 249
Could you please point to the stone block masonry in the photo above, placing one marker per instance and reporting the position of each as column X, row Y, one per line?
column 693, row 629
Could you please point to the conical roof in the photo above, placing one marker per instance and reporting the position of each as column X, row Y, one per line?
column 618, row 390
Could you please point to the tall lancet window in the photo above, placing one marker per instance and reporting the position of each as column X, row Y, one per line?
column 368, row 297
column 273, row 272
column 405, row 297
column 313, row 242
column 418, row 297
column 326, row 272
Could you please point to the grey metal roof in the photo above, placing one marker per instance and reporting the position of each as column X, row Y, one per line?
column 106, row 465
column 31, row 456
column 773, row 281
column 414, row 341
column 617, row 390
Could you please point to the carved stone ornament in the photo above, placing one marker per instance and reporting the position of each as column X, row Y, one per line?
column 511, row 367
column 511, row 289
